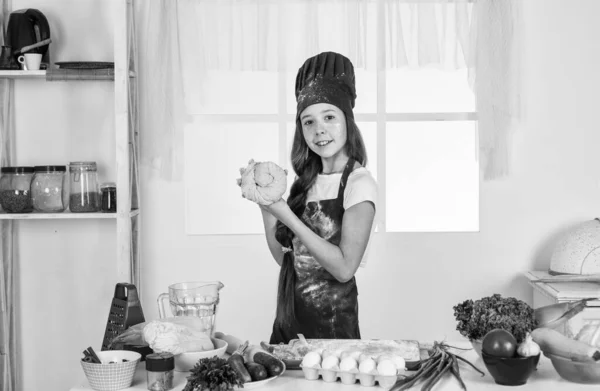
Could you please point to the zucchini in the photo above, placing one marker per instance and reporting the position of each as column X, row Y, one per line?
column 236, row 361
column 553, row 342
column 257, row 371
column 273, row 365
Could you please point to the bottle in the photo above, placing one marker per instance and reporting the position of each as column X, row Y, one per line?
column 83, row 183
column 159, row 371
column 108, row 195
column 49, row 190
column 15, row 189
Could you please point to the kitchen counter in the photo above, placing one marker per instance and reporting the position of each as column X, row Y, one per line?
column 544, row 379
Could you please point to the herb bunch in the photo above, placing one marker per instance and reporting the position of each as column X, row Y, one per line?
column 213, row 374
column 477, row 318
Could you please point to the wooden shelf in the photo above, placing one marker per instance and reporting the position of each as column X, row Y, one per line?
column 63, row 215
column 23, row 74
column 6, row 74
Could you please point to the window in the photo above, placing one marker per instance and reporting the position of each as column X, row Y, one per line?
column 419, row 125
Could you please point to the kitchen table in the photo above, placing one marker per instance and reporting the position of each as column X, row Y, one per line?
column 544, row 379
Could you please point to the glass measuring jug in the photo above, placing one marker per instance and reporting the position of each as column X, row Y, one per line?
column 198, row 298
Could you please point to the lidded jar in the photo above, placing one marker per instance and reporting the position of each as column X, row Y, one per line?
column 49, row 189
column 159, row 371
column 108, row 195
column 83, row 183
column 15, row 189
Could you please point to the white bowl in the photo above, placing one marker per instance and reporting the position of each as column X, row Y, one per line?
column 112, row 377
column 185, row 362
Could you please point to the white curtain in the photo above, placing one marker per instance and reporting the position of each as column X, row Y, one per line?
column 8, row 330
column 200, row 35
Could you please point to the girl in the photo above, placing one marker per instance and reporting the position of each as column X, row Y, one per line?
column 320, row 235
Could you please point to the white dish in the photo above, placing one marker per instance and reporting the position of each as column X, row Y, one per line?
column 185, row 362
column 255, row 384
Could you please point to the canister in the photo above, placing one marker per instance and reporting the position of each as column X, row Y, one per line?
column 84, row 196
column 108, row 195
column 49, row 189
column 159, row 371
column 15, row 189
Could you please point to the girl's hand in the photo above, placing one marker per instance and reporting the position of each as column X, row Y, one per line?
column 278, row 209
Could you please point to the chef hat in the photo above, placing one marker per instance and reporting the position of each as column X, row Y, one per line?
column 326, row 78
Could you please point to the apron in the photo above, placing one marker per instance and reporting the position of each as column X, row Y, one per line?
column 325, row 308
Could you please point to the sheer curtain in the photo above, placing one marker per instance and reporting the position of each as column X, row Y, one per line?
column 8, row 353
column 199, row 35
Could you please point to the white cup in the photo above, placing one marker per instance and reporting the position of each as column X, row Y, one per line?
column 30, row 61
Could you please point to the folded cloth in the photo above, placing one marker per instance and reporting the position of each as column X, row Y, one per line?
column 263, row 182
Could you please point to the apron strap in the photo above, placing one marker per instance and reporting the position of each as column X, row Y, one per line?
column 345, row 175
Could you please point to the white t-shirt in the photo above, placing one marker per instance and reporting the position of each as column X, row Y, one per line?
column 361, row 187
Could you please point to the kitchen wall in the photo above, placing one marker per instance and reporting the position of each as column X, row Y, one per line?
column 67, row 269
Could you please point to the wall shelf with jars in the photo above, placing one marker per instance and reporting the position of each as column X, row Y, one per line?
column 123, row 205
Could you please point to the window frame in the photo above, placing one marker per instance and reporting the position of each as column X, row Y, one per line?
column 380, row 117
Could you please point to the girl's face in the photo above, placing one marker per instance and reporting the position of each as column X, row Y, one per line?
column 324, row 129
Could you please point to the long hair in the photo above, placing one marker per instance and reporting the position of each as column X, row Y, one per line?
column 307, row 165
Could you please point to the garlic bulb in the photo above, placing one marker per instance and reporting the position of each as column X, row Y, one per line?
column 528, row 347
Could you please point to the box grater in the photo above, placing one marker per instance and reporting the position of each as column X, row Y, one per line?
column 125, row 311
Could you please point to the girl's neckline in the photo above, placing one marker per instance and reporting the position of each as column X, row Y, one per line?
column 333, row 174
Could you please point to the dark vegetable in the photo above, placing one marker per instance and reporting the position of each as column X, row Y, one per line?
column 477, row 318
column 440, row 362
column 236, row 361
column 257, row 371
column 499, row 343
column 272, row 364
column 212, row 374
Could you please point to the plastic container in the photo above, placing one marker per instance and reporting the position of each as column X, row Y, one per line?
column 108, row 195
column 347, row 378
column 15, row 189
column 49, row 189
column 159, row 371
column 84, row 196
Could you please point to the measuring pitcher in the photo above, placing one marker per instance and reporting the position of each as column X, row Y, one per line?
column 198, row 298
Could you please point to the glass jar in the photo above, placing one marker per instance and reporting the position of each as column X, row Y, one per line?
column 83, row 183
column 159, row 371
column 15, row 189
column 108, row 195
column 49, row 190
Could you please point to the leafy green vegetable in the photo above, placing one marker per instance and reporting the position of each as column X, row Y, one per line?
column 477, row 318
column 213, row 374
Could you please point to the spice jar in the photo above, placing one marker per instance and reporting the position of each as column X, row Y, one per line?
column 159, row 371
column 49, row 191
column 108, row 194
column 84, row 196
column 15, row 189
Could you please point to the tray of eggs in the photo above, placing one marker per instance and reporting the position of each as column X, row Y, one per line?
column 368, row 369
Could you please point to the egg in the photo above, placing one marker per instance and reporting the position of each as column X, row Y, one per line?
column 355, row 354
column 331, row 362
column 383, row 357
column 364, row 357
column 386, row 367
column 311, row 360
column 400, row 363
column 348, row 364
column 329, row 352
column 367, row 366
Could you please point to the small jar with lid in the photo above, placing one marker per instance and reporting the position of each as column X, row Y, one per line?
column 159, row 371
column 49, row 189
column 108, row 197
column 15, row 189
column 83, row 196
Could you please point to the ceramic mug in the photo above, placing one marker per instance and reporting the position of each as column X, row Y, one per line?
column 30, row 61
